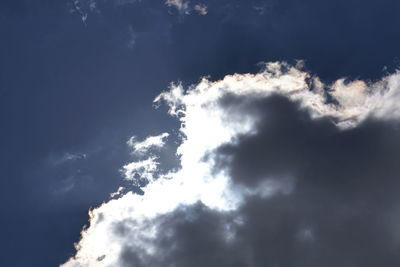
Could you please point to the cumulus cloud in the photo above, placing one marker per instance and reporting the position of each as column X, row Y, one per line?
column 276, row 169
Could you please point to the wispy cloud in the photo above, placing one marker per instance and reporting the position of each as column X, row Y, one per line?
column 181, row 6
column 184, row 7
column 83, row 8
column 141, row 147
column 201, row 9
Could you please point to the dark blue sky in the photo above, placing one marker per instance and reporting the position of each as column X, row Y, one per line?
column 72, row 91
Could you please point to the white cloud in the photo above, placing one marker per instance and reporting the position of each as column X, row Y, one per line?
column 142, row 168
column 83, row 8
column 150, row 142
column 184, row 7
column 80, row 10
column 181, row 6
column 206, row 125
column 201, row 9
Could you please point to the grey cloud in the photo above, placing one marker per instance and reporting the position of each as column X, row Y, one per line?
column 343, row 210
column 347, row 184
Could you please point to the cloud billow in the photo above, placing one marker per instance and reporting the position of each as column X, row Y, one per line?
column 276, row 169
column 343, row 208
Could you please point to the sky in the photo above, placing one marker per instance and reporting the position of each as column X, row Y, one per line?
column 200, row 133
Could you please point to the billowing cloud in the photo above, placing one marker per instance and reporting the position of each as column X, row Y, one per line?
column 276, row 169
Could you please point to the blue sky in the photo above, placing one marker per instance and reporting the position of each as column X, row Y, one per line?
column 78, row 79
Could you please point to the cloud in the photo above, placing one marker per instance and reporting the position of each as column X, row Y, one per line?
column 83, row 8
column 141, row 169
column 181, row 6
column 201, row 9
column 184, row 7
column 86, row 7
column 276, row 169
column 150, row 142
column 56, row 160
column 76, row 7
